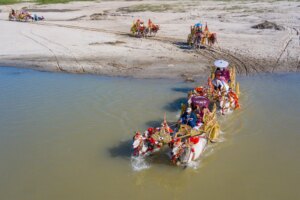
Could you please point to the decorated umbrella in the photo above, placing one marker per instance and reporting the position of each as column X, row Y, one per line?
column 200, row 101
column 221, row 63
column 198, row 25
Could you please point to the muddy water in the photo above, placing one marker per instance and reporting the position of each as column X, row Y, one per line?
column 68, row 137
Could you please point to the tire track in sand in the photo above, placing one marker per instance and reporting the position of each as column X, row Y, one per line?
column 285, row 46
column 45, row 46
column 64, row 47
column 242, row 65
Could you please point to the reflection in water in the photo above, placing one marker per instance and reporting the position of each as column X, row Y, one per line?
column 68, row 136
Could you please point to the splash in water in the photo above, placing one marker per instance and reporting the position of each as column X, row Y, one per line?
column 139, row 163
column 194, row 164
column 221, row 137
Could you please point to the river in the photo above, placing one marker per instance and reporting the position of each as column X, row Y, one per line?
column 67, row 136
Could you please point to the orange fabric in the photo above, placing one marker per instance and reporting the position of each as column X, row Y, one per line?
column 235, row 98
column 206, row 27
column 199, row 89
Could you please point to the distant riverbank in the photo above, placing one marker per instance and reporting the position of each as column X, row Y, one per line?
column 93, row 37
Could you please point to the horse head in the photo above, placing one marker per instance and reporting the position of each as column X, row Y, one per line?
column 212, row 38
column 177, row 149
column 138, row 144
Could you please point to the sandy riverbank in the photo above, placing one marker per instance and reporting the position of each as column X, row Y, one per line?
column 69, row 40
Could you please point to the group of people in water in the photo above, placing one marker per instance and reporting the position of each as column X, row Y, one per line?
column 201, row 102
column 151, row 143
column 23, row 15
column 221, row 85
column 197, row 103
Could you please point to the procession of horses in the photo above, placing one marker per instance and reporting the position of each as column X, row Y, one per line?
column 199, row 37
column 139, row 29
column 197, row 125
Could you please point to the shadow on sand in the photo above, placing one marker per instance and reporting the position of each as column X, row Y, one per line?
column 183, row 45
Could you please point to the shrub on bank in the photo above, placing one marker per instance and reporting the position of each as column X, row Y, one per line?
column 7, row 2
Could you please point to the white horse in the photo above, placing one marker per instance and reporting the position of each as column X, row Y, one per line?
column 220, row 84
column 139, row 147
column 227, row 104
column 185, row 152
column 144, row 145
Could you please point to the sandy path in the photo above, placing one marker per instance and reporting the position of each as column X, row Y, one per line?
column 70, row 41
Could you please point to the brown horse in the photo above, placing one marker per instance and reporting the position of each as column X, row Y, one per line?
column 153, row 29
column 212, row 39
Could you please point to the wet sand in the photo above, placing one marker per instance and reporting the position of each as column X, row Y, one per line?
column 70, row 40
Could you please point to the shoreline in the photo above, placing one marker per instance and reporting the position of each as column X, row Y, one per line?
column 188, row 79
column 184, row 77
column 70, row 41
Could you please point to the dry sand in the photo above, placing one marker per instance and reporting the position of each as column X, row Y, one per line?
column 68, row 40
